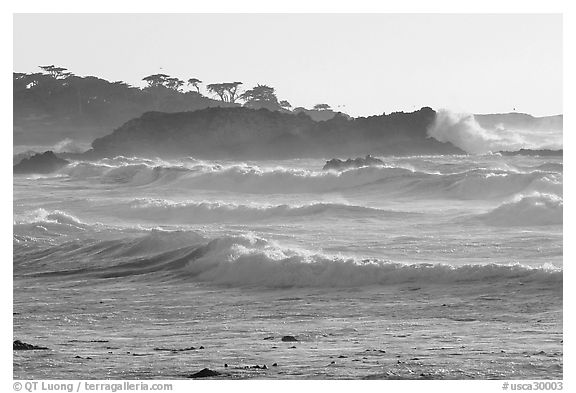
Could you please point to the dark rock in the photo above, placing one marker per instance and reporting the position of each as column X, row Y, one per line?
column 293, row 347
column 20, row 156
column 205, row 373
column 342, row 357
column 225, row 364
column 46, row 162
column 243, row 133
column 269, row 338
column 21, row 346
column 201, row 347
column 337, row 164
column 177, row 349
column 275, row 365
column 289, row 338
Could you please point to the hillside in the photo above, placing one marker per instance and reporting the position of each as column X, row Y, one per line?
column 48, row 109
column 248, row 133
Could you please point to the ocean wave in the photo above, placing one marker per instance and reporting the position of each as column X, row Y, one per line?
column 161, row 210
column 253, row 179
column 554, row 167
column 42, row 223
column 43, row 216
column 250, row 261
column 527, row 210
column 134, row 171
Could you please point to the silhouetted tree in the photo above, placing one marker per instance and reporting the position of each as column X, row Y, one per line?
column 53, row 71
column 174, row 83
column 227, row 91
column 232, row 90
column 260, row 93
column 195, row 82
column 156, row 80
column 285, row 104
column 219, row 89
column 322, row 107
column 261, row 96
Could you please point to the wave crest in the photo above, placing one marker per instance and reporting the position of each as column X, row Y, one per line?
column 161, row 210
column 527, row 210
column 250, row 261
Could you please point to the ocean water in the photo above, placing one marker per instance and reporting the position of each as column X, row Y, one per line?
column 440, row 267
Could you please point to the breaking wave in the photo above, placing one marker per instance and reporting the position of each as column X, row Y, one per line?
column 47, row 224
column 470, row 184
column 246, row 260
column 56, row 217
column 464, row 131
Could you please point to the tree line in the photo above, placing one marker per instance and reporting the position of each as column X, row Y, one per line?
column 258, row 96
column 55, row 99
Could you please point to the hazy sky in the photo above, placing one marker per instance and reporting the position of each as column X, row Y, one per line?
column 361, row 64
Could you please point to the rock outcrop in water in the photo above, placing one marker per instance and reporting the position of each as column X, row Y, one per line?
column 337, row 164
column 205, row 373
column 46, row 162
column 260, row 134
column 17, row 158
column 18, row 345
